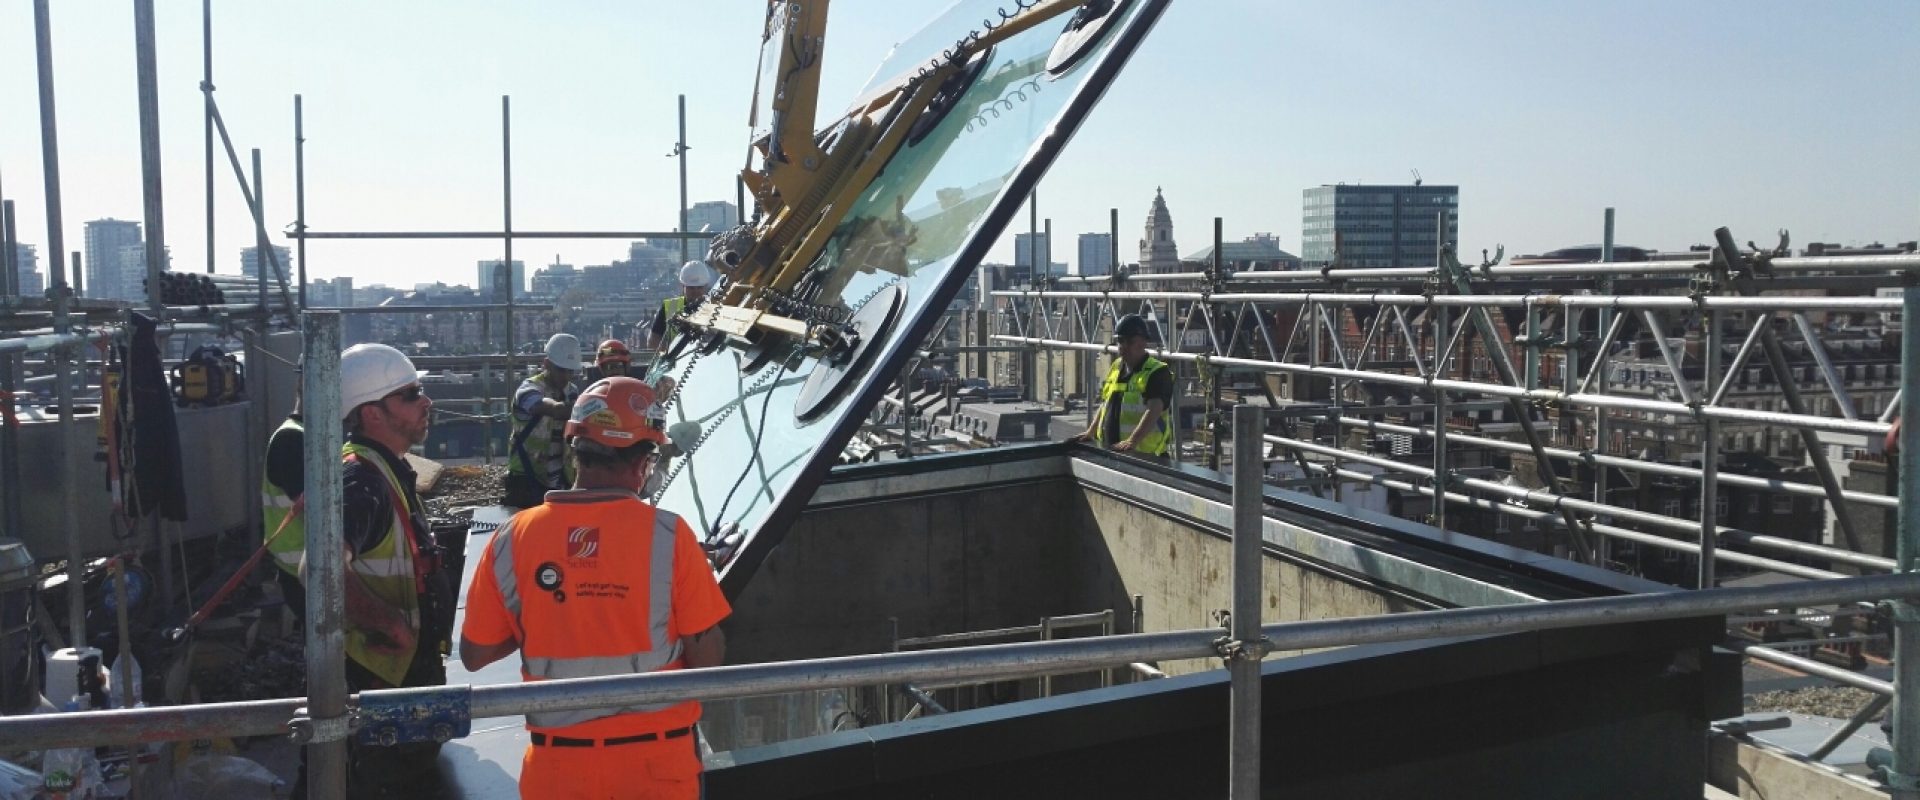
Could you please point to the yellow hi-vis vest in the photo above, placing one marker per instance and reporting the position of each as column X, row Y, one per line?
column 1133, row 406
column 538, row 448
column 277, row 511
column 387, row 570
column 671, row 307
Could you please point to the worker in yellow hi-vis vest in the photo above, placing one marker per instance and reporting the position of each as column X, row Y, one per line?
column 399, row 600
column 1134, row 398
column 694, row 280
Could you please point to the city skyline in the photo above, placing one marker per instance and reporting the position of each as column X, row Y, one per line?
column 1541, row 132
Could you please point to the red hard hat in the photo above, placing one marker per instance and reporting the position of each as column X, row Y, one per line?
column 613, row 413
column 612, row 350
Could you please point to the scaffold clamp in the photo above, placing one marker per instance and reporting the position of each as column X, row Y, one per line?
column 1901, row 610
column 438, row 714
column 1232, row 650
column 1880, row 760
column 304, row 729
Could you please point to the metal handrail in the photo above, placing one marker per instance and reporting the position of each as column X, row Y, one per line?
column 990, row 662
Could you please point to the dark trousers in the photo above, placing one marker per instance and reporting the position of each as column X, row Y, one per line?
column 294, row 595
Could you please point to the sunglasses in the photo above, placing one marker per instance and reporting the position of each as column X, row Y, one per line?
column 409, row 394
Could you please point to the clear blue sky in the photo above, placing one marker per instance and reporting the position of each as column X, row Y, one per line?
column 1685, row 116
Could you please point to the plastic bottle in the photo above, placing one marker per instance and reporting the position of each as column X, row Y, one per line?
column 125, row 668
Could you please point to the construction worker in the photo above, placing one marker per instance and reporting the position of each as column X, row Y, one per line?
column 612, row 360
column 1135, row 396
column 597, row 582
column 694, row 280
column 285, row 482
column 537, row 454
column 399, row 603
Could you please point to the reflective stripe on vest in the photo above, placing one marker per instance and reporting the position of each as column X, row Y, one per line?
column 387, row 570
column 1133, row 406
column 670, row 309
column 277, row 514
column 540, row 440
column 663, row 650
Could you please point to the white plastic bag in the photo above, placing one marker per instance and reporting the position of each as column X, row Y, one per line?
column 212, row 776
column 18, row 782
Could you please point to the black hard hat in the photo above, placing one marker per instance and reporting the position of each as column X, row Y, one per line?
column 1131, row 325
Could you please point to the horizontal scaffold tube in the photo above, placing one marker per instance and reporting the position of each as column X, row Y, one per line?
column 1625, row 269
column 1630, row 464
column 983, row 663
column 1610, row 531
column 1833, row 424
column 1616, row 302
column 1551, row 500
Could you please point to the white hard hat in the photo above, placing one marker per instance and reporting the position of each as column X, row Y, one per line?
column 564, row 351
column 694, row 273
column 369, row 372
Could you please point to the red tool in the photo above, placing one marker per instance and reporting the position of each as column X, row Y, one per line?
column 239, row 577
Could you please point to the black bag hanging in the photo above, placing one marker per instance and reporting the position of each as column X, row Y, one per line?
column 150, row 468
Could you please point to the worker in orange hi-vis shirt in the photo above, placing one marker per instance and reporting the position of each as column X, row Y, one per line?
column 598, row 582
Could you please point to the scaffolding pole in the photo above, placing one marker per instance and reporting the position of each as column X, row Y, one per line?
column 324, row 570
column 206, row 114
column 154, row 201
column 1904, row 777
column 1245, row 650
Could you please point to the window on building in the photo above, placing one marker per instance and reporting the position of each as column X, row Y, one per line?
column 1670, row 507
column 1782, row 504
column 1720, row 509
column 1753, row 502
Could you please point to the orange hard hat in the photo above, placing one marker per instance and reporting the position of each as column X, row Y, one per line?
column 613, row 350
column 613, row 413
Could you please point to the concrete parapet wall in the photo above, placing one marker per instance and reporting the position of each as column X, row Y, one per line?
column 1185, row 574
column 1754, row 771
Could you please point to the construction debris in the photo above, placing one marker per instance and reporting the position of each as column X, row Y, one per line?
column 273, row 668
column 1839, row 702
column 461, row 487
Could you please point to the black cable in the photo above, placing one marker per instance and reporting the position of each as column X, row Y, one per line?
column 758, row 431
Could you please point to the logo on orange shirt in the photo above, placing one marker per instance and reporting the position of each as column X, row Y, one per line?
column 583, row 544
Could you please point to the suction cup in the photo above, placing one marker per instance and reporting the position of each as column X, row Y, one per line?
column 948, row 96
column 832, row 377
column 1084, row 31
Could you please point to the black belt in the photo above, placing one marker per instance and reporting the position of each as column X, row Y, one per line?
column 543, row 740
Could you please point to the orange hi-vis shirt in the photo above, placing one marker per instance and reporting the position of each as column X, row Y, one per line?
column 595, row 582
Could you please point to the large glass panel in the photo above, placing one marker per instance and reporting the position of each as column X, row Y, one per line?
column 919, row 228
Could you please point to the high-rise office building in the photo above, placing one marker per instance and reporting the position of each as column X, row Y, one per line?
column 713, row 216
column 1376, row 226
column 483, row 278
column 250, row 262
column 1096, row 254
column 133, row 271
column 1023, row 257
column 27, row 262
column 330, row 292
column 1030, row 249
column 107, row 239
